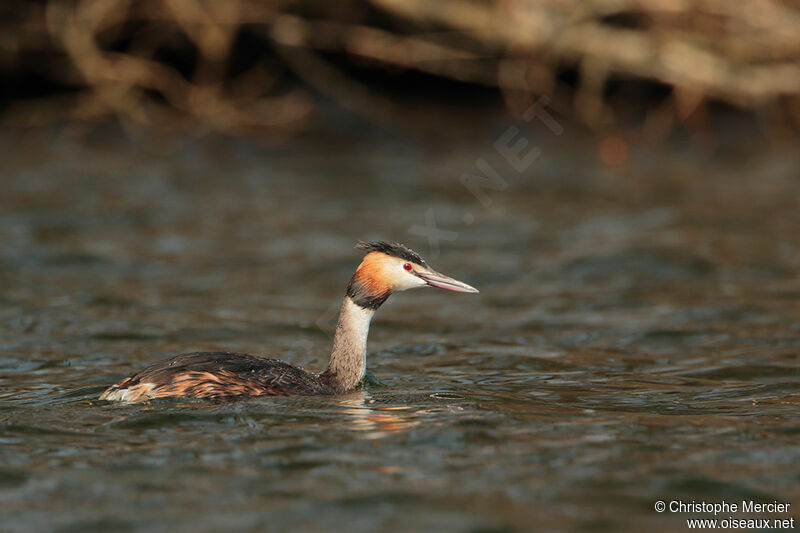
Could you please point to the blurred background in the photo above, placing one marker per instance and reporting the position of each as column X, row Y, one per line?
column 619, row 179
column 259, row 69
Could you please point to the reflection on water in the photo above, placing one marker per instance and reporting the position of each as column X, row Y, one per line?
column 376, row 422
column 636, row 337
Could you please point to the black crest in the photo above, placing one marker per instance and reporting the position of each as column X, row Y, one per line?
column 395, row 249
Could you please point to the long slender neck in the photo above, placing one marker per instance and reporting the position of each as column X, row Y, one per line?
column 348, row 362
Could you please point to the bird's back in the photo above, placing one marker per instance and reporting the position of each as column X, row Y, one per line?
column 217, row 376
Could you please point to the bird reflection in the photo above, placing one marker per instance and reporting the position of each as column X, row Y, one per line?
column 375, row 422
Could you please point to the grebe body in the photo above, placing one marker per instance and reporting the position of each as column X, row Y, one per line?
column 225, row 376
column 217, row 376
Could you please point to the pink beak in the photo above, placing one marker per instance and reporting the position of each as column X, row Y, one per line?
column 434, row 279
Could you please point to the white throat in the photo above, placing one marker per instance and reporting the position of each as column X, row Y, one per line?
column 348, row 363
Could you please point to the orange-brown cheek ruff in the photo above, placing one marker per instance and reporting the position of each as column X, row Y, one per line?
column 371, row 285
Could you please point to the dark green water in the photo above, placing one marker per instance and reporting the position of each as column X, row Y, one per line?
column 637, row 335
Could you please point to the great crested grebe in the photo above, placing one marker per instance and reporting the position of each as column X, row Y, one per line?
column 222, row 376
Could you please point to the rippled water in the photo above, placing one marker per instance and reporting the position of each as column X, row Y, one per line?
column 637, row 335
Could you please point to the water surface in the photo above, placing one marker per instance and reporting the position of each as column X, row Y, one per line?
column 636, row 338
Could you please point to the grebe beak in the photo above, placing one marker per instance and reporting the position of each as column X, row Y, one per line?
column 434, row 279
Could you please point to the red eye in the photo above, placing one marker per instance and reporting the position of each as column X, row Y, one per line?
column 407, row 266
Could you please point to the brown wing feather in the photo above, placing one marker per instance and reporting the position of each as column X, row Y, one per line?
column 217, row 376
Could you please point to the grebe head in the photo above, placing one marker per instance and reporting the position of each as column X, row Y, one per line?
column 390, row 267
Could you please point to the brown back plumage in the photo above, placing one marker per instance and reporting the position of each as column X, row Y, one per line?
column 216, row 376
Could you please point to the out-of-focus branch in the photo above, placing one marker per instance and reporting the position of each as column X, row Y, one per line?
column 746, row 53
column 149, row 90
column 175, row 63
